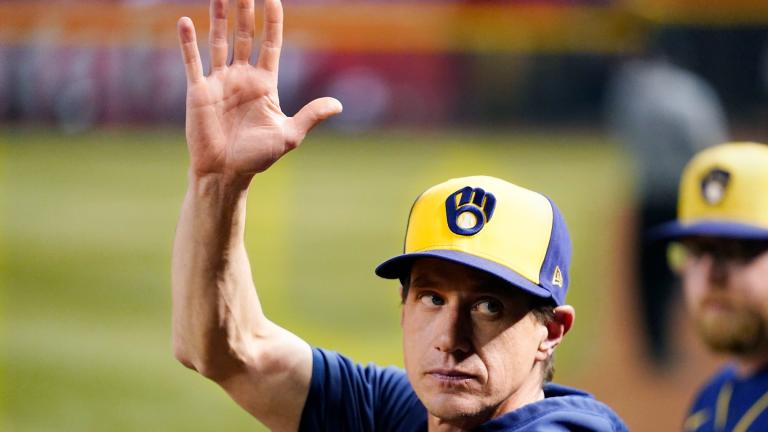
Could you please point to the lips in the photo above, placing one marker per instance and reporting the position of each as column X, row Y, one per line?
column 717, row 303
column 450, row 375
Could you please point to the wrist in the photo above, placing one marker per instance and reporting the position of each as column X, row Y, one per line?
column 232, row 183
column 214, row 210
column 218, row 189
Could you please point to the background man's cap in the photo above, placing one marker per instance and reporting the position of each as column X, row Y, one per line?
column 723, row 193
column 491, row 225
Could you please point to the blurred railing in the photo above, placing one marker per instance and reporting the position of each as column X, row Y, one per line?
column 337, row 26
column 78, row 63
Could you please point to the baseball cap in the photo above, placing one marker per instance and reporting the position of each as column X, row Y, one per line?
column 723, row 193
column 491, row 225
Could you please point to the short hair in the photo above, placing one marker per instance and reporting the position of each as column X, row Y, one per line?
column 543, row 310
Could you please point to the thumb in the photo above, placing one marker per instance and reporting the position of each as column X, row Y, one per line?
column 312, row 114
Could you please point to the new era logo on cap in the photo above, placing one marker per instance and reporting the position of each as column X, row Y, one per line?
column 489, row 224
column 557, row 277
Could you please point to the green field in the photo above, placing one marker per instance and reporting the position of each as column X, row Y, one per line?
column 89, row 221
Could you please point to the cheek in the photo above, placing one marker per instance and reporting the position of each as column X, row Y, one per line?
column 753, row 282
column 415, row 332
column 510, row 356
column 695, row 283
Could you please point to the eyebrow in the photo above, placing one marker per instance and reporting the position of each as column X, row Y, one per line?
column 494, row 287
column 422, row 280
column 481, row 285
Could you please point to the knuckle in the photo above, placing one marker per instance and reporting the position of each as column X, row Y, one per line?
column 244, row 35
column 292, row 140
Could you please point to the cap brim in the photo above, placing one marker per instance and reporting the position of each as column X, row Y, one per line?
column 675, row 230
column 396, row 267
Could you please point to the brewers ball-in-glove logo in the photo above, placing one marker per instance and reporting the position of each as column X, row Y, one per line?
column 713, row 186
column 468, row 214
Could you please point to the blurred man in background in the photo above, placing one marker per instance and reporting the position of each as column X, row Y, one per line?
column 663, row 114
column 484, row 278
column 722, row 256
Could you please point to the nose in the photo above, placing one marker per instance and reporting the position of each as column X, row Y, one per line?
column 718, row 270
column 454, row 332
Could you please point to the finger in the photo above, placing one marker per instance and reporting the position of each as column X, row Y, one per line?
column 218, row 34
column 189, row 51
column 244, row 32
column 269, row 54
column 311, row 115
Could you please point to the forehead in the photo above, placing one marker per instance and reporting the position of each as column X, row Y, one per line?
column 725, row 243
column 710, row 241
column 435, row 271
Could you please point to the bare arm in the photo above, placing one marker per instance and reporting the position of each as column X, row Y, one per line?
column 235, row 129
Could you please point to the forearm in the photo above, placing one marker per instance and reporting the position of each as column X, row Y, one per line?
column 235, row 125
column 216, row 311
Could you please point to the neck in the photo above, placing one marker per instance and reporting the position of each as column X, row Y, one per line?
column 749, row 365
column 523, row 396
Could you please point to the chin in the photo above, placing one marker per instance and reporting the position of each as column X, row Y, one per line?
column 743, row 332
column 455, row 407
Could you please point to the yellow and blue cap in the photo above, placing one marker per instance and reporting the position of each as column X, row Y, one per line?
column 723, row 193
column 491, row 225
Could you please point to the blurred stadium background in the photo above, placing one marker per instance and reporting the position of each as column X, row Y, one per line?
column 93, row 173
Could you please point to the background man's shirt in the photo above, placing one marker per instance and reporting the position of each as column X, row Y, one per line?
column 731, row 403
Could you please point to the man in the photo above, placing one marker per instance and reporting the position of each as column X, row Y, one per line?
column 722, row 257
column 658, row 108
column 484, row 279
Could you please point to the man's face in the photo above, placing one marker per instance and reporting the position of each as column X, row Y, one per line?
column 725, row 282
column 470, row 342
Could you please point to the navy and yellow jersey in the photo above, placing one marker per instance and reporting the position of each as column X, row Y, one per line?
column 731, row 403
column 344, row 396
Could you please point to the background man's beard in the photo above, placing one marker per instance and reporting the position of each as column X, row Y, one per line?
column 740, row 331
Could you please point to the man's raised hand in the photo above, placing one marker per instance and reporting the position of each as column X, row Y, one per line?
column 234, row 122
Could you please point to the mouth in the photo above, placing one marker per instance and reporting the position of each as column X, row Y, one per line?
column 717, row 305
column 450, row 376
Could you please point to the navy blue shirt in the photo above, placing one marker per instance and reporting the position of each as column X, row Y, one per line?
column 344, row 396
column 730, row 403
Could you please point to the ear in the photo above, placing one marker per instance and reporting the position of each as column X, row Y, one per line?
column 402, row 307
column 556, row 329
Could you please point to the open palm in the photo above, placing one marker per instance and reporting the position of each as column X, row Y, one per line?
column 234, row 122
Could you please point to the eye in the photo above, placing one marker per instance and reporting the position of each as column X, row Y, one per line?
column 431, row 300
column 488, row 307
